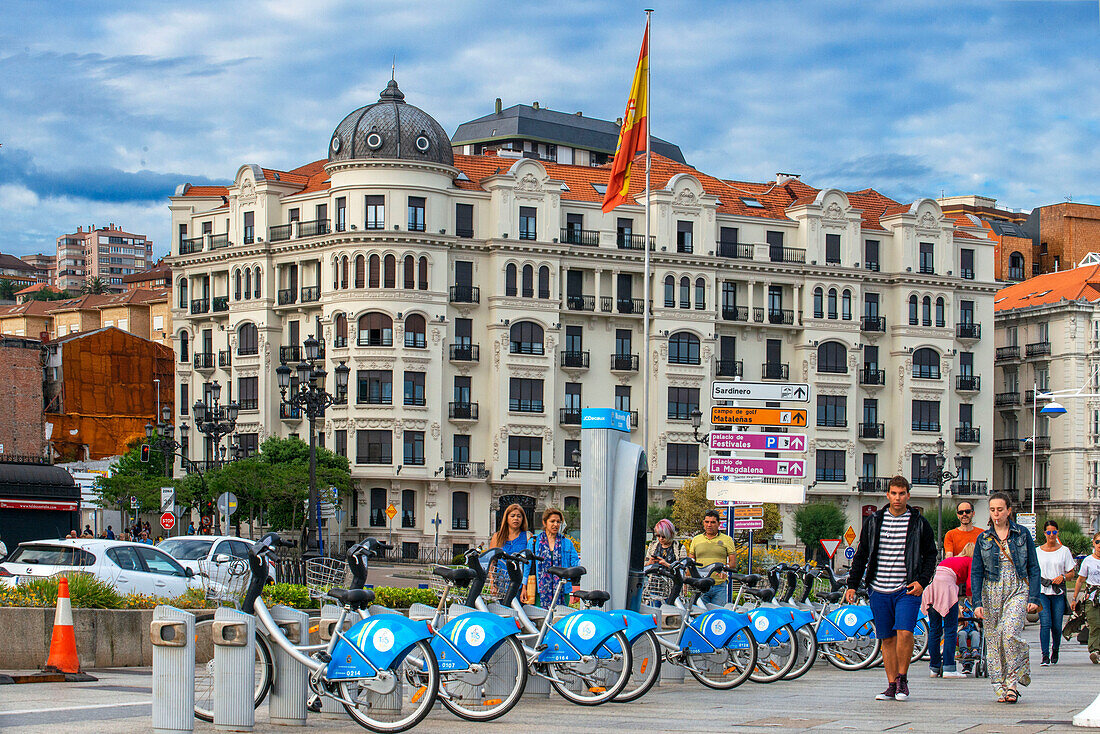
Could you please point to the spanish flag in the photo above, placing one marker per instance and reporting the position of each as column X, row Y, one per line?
column 633, row 134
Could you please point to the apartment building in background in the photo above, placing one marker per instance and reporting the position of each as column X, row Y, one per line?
column 45, row 267
column 16, row 272
column 108, row 253
column 482, row 302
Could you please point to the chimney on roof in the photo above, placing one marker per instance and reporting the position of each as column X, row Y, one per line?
column 535, row 104
column 498, row 105
column 619, row 121
column 579, row 113
column 782, row 178
column 80, row 229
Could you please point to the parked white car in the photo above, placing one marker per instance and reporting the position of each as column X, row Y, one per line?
column 190, row 549
column 129, row 567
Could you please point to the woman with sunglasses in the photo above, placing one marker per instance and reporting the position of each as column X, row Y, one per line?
column 1089, row 573
column 1056, row 566
column 958, row 538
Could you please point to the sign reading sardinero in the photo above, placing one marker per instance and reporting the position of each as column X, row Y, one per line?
column 796, row 391
column 618, row 420
column 724, row 415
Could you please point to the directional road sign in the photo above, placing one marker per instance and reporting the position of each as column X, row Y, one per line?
column 133, row 502
column 849, row 553
column 748, row 511
column 227, row 503
column 725, row 415
column 830, row 545
column 748, row 523
column 782, row 494
column 796, row 391
column 748, row 441
column 167, row 499
column 168, row 521
column 758, row 467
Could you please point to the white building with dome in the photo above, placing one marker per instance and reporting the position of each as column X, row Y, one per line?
column 481, row 302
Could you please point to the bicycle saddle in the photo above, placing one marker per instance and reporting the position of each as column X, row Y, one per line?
column 749, row 579
column 764, row 595
column 573, row 573
column 832, row 596
column 354, row 598
column 595, row 597
column 703, row 585
column 457, row 576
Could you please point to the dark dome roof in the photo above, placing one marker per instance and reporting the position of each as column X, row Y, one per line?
column 388, row 129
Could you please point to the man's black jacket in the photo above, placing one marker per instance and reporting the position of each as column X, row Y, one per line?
column 920, row 550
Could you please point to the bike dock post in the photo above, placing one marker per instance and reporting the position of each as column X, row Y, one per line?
column 172, row 633
column 234, row 634
column 287, row 702
column 330, row 613
column 670, row 674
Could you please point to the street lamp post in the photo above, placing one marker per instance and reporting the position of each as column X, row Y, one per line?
column 941, row 477
column 696, row 422
column 310, row 396
column 214, row 420
column 1050, row 410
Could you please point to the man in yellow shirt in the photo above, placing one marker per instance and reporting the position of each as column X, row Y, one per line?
column 712, row 546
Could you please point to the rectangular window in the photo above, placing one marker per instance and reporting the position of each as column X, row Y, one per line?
column 525, row 396
column 870, row 466
column 966, row 415
column 832, row 411
column 829, row 465
column 870, row 255
column 414, row 448
column 376, row 212
column 622, row 397
column 775, row 245
column 340, row 442
column 525, row 453
column 341, row 213
column 966, row 312
column 573, row 397
column 373, row 447
column 249, row 443
column 682, row 459
column 832, row 249
column 528, row 223
column 249, row 228
column 681, row 401
column 460, row 449
column 416, row 213
column 184, row 400
column 927, row 257
column 926, row 415
column 684, row 236
column 966, row 264
column 375, row 387
column 414, row 389
column 624, row 233
column 464, row 220
column 248, row 393
column 571, row 445
column 966, row 364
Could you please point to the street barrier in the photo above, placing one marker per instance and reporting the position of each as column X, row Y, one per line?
column 234, row 634
column 172, row 633
column 287, row 702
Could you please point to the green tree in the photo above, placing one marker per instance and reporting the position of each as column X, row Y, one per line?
column 133, row 477
column 1069, row 532
column 95, row 285
column 48, row 294
column 656, row 513
column 950, row 519
column 816, row 521
column 7, row 290
column 689, row 503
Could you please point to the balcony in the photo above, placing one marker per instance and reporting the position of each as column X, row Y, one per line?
column 622, row 305
column 968, row 383
column 290, row 355
column 1010, row 352
column 465, row 470
column 735, row 313
column 624, row 362
column 1015, row 274
column 966, row 330
column 729, row 368
column 1042, row 494
column 775, row 371
column 416, row 340
column 966, row 273
column 873, row 485
column 1038, row 349
column 926, row 426
column 525, row 405
column 289, row 412
column 969, row 487
column 873, row 323
column 311, row 293
column 408, row 520
column 221, row 304
column 465, row 294
column 633, row 419
column 1042, row 443
column 775, row 315
column 462, row 412
column 203, row 360
column 872, row 430
column 927, row 269
column 199, row 306
column 219, row 240
column 734, row 250
column 279, row 233
column 580, row 303
column 832, row 368
column 577, row 236
column 575, row 360
column 188, row 246
column 778, row 254
column 224, row 358
column 249, row 403
column 463, row 523
column 465, row 353
column 870, row 376
column 632, row 241
column 871, row 265
column 968, row 434
column 569, row 416
column 288, row 296
column 1006, row 445
column 1006, row 399
column 247, row 350
column 313, row 227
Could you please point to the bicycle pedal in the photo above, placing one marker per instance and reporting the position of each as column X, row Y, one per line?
column 324, row 657
column 314, row 704
column 542, row 647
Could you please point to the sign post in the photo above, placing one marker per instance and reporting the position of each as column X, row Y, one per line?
column 168, row 521
column 227, row 505
column 391, row 512
column 437, row 522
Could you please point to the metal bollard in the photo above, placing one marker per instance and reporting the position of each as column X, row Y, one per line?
column 287, row 702
column 172, row 633
column 234, row 635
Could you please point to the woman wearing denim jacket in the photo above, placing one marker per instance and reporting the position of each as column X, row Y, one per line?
column 557, row 550
column 1003, row 593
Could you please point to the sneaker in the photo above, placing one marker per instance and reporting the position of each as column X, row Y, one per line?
column 1094, row 656
column 889, row 694
column 1045, row 662
column 935, row 673
column 1054, row 656
column 903, row 688
column 953, row 674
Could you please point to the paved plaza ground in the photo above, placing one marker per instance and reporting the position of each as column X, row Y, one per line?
column 825, row 699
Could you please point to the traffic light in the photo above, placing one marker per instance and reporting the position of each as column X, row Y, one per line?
column 145, row 453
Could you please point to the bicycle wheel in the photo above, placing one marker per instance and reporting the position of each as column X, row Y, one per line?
column 776, row 657
column 598, row 679
column 491, row 691
column 920, row 645
column 726, row 668
column 645, row 653
column 806, row 639
column 855, row 653
column 204, row 669
column 402, row 705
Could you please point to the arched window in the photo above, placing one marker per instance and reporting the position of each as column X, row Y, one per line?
column 670, row 292
column 182, row 287
column 832, row 357
column 341, row 331
column 256, row 289
column 360, row 272
column 1015, row 266
column 248, row 339
column 247, row 283
column 926, row 311
column 832, row 303
column 183, row 347
column 423, row 279
column 344, row 271
column 389, row 278
column 526, row 338
column 410, row 272
column 683, row 348
column 700, row 294
column 926, row 364
column 685, row 292
column 912, row 310
column 510, row 280
column 416, row 331
column 846, row 305
column 941, row 313
column 544, row 282
column 373, row 266
column 236, row 285
column 819, row 303
column 528, row 281
column 375, row 330
column 335, row 273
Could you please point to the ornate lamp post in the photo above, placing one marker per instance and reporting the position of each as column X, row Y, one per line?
column 312, row 398
column 940, row 477
column 696, row 423
column 215, row 420
column 165, row 441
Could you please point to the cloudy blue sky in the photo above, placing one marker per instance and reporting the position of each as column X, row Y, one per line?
column 106, row 106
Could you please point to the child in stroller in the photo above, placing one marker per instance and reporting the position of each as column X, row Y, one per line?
column 971, row 654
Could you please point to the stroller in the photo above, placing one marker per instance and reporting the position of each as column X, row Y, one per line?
column 971, row 650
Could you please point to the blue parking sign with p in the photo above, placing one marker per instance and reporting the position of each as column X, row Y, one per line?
column 771, row 442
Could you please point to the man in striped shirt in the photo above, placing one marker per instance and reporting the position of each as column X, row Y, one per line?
column 896, row 556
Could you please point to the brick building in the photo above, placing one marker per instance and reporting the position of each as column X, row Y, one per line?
column 1066, row 233
column 159, row 276
column 21, row 430
column 1012, row 230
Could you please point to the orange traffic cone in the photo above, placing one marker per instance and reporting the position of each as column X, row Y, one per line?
column 63, row 657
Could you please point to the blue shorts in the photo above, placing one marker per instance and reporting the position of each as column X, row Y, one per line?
column 893, row 612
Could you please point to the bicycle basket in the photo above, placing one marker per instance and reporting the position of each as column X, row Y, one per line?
column 225, row 582
column 323, row 574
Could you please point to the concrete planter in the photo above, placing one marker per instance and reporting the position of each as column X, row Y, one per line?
column 105, row 638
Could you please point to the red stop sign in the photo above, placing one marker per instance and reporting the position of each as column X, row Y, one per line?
column 168, row 521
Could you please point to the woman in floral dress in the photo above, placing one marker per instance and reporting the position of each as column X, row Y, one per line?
column 558, row 550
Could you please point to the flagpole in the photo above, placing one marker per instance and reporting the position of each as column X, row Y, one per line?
column 645, row 278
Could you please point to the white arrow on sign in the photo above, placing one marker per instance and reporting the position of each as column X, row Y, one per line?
column 798, row 392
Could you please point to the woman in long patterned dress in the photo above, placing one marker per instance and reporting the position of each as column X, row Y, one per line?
column 1004, row 579
column 557, row 550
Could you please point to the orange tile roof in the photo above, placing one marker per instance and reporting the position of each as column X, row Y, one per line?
column 34, row 289
column 1070, row 285
column 30, row 308
column 91, row 300
column 208, row 191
